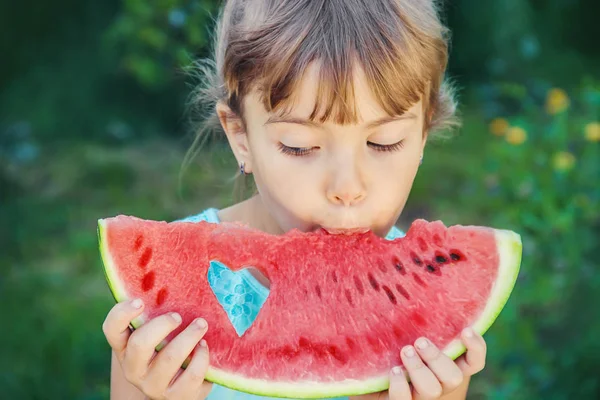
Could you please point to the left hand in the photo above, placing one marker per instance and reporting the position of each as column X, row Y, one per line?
column 432, row 373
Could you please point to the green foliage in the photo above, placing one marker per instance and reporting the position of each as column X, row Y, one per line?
column 154, row 40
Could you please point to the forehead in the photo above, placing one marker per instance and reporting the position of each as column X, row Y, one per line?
column 307, row 98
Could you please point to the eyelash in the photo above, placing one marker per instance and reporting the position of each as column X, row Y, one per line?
column 304, row 151
column 387, row 147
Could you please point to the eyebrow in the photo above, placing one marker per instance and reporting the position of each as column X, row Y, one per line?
column 281, row 119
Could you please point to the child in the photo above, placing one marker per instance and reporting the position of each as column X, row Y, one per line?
column 328, row 104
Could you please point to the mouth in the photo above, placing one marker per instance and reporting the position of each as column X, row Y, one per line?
column 345, row 231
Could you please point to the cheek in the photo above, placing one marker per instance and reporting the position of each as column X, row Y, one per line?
column 282, row 179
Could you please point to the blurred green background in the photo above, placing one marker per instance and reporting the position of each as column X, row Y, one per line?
column 92, row 124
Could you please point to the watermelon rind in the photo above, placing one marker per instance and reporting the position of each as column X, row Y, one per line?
column 510, row 251
column 112, row 277
column 509, row 247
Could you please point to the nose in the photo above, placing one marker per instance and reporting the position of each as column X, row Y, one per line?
column 346, row 187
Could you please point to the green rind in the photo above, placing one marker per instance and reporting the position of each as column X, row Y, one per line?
column 110, row 272
column 510, row 252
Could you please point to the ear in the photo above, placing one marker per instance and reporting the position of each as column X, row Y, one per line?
column 236, row 135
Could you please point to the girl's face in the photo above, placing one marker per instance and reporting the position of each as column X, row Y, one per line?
column 338, row 177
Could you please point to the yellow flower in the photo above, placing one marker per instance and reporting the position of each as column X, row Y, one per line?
column 563, row 161
column 557, row 101
column 499, row 126
column 592, row 132
column 516, row 135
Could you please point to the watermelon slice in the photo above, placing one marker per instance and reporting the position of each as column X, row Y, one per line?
column 340, row 307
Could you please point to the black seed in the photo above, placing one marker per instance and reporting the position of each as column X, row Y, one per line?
column 373, row 282
column 430, row 268
column 400, row 267
column 441, row 259
column 390, row 295
column 454, row 256
column 416, row 259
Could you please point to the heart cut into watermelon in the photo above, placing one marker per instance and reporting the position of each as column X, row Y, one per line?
column 340, row 307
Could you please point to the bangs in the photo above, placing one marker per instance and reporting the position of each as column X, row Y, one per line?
column 401, row 61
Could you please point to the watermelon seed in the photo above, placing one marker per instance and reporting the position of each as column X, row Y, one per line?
column 402, row 291
column 416, row 259
column 161, row 296
column 390, row 295
column 318, row 290
column 138, row 243
column 381, row 265
column 145, row 258
column 338, row 354
column 349, row 297
column 358, row 285
column 350, row 343
column 455, row 256
column 399, row 267
column 334, row 276
column 373, row 282
column 422, row 244
column 430, row 268
column 441, row 259
column 418, row 280
column 148, row 281
column 437, row 240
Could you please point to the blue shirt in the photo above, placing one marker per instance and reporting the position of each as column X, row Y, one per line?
column 242, row 296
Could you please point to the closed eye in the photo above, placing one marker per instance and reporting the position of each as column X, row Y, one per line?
column 386, row 147
column 296, row 151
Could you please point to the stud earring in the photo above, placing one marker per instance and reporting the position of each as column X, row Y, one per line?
column 243, row 168
column 421, row 160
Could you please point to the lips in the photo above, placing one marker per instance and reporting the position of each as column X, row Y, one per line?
column 345, row 231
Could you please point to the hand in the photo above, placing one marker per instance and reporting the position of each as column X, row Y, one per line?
column 432, row 373
column 159, row 375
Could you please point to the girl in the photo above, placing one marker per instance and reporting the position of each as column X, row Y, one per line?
column 329, row 104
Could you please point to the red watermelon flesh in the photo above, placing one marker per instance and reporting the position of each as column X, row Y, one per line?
column 340, row 307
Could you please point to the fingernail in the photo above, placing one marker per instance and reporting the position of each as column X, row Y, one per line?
column 200, row 323
column 422, row 343
column 137, row 303
column 409, row 352
column 176, row 317
column 468, row 332
column 203, row 343
column 397, row 371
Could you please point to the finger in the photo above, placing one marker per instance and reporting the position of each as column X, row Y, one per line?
column 116, row 324
column 192, row 379
column 399, row 387
column 443, row 367
column 421, row 377
column 143, row 342
column 170, row 359
column 473, row 360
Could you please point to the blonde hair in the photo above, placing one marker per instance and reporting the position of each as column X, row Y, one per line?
column 267, row 45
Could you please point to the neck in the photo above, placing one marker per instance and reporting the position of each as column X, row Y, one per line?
column 253, row 213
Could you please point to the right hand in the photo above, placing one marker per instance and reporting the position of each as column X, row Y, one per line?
column 159, row 374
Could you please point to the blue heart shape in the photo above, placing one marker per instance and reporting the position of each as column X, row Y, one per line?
column 239, row 293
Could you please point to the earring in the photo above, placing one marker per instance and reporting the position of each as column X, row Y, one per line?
column 421, row 160
column 243, row 168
